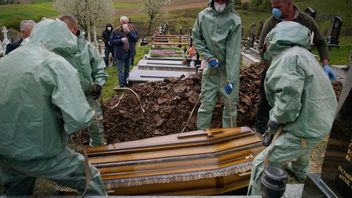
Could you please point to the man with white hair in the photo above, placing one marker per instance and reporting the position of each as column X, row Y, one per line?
column 122, row 39
column 26, row 27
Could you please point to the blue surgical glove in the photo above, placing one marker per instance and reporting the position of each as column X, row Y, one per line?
column 329, row 72
column 228, row 88
column 213, row 63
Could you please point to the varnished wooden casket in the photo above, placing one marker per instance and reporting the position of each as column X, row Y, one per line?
column 193, row 163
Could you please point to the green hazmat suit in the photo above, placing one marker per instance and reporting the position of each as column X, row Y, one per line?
column 218, row 35
column 41, row 104
column 302, row 99
column 91, row 69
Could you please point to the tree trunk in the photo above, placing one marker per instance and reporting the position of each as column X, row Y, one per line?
column 88, row 34
column 95, row 35
column 150, row 26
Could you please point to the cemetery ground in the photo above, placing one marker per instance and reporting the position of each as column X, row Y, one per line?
column 185, row 17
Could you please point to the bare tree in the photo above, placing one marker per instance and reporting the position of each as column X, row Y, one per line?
column 154, row 9
column 89, row 13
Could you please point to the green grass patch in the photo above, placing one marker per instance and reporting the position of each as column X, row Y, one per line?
column 327, row 9
column 112, row 82
column 11, row 15
column 108, row 90
column 339, row 56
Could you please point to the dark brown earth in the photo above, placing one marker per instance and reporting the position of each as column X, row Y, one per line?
column 168, row 105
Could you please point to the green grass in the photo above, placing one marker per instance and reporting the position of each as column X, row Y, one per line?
column 11, row 15
column 108, row 91
column 340, row 55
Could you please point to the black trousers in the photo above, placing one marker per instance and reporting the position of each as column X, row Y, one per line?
column 262, row 116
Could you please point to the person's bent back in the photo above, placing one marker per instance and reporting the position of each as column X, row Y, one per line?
column 41, row 104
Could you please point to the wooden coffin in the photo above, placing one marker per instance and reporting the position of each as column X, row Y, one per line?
column 193, row 163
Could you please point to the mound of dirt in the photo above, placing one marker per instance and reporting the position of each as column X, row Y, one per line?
column 168, row 105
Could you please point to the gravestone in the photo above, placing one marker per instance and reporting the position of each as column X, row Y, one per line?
column 311, row 12
column 252, row 35
column 2, row 52
column 190, row 38
column 335, row 179
column 6, row 39
column 333, row 38
column 165, row 29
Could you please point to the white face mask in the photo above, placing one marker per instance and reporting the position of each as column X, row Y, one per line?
column 109, row 28
column 219, row 7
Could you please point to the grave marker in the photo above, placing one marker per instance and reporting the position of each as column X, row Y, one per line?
column 333, row 38
column 311, row 12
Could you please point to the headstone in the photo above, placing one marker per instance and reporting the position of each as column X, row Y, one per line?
column 144, row 41
column 252, row 35
column 311, row 12
column 6, row 40
column 2, row 52
column 336, row 176
column 166, row 29
column 333, row 38
column 190, row 38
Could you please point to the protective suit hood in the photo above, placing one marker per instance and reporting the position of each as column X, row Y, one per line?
column 285, row 35
column 229, row 5
column 55, row 36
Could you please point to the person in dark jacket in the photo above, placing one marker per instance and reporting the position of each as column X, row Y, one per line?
column 106, row 38
column 133, row 43
column 26, row 27
column 122, row 40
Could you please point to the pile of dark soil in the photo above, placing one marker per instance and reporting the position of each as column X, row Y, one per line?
column 168, row 105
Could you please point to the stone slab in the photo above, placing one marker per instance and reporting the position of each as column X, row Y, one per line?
column 163, row 58
column 293, row 191
column 164, row 66
column 161, row 62
column 249, row 59
column 137, row 75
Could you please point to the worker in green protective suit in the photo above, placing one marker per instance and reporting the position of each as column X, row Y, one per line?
column 217, row 37
column 302, row 99
column 42, row 103
column 91, row 69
